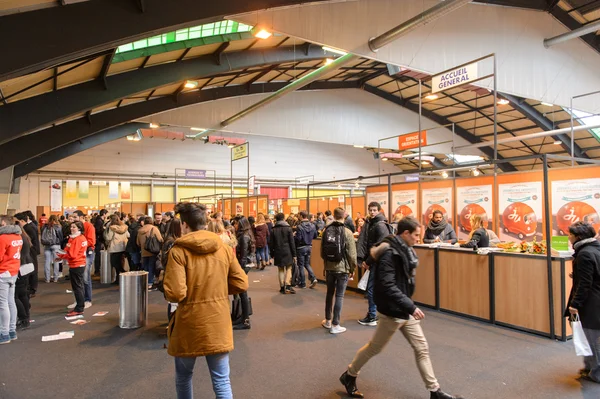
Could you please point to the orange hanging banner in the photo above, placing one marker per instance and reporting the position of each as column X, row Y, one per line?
column 411, row 140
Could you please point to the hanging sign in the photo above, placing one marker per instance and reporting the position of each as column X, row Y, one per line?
column 56, row 195
column 98, row 183
column 293, row 202
column 125, row 190
column 453, row 78
column 113, row 189
column 71, row 186
column 411, row 140
column 239, row 152
column 251, row 182
column 195, row 174
column 84, row 189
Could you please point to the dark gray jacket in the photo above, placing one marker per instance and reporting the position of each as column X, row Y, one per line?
column 447, row 235
column 281, row 245
column 585, row 294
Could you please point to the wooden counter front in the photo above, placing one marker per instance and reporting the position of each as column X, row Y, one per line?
column 464, row 282
column 425, row 280
column 318, row 265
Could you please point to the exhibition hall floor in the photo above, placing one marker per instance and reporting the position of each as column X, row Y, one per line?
column 286, row 354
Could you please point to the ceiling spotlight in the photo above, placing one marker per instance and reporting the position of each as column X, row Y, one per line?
column 557, row 142
column 328, row 61
column 263, row 34
column 197, row 129
column 475, row 172
column 358, row 146
column 190, row 84
column 503, row 101
column 445, row 174
column 424, row 162
column 356, row 185
column 384, row 159
column 547, row 104
column 154, row 125
column 432, row 97
column 333, row 50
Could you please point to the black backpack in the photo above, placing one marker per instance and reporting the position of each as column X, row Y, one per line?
column 333, row 243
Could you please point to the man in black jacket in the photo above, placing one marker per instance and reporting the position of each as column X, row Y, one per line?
column 99, row 226
column 375, row 229
column 394, row 285
column 306, row 232
column 30, row 228
column 283, row 252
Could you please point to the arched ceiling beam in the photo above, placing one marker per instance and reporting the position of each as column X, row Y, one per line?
column 21, row 117
column 32, row 41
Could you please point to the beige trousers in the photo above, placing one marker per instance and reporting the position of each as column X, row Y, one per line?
column 285, row 275
column 411, row 329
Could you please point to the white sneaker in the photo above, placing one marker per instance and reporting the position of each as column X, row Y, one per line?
column 88, row 304
column 326, row 324
column 60, row 275
column 337, row 329
column 72, row 306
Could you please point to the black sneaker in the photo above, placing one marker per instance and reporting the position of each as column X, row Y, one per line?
column 242, row 326
column 368, row 321
column 349, row 383
column 290, row 290
column 313, row 283
column 282, row 290
column 439, row 394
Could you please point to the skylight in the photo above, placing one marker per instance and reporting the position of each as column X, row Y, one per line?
column 196, row 32
column 460, row 159
column 587, row 119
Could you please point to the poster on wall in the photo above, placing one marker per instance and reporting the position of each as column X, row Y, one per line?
column 473, row 200
column 84, row 189
column 56, row 195
column 574, row 201
column 404, row 203
column 227, row 209
column 381, row 198
column 294, row 210
column 520, row 210
column 125, row 190
column 252, row 206
column 437, row 199
column 113, row 189
column 71, row 186
column 262, row 206
column 239, row 208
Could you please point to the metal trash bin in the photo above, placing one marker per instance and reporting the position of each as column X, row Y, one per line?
column 133, row 299
column 105, row 269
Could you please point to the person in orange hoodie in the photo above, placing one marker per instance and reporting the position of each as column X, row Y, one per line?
column 89, row 231
column 10, row 262
column 75, row 254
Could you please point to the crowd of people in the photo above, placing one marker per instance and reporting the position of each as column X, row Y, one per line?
column 198, row 260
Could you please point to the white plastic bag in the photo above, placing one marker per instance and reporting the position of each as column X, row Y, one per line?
column 582, row 347
column 362, row 284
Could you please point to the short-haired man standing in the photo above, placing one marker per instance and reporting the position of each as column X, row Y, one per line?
column 89, row 231
column 374, row 230
column 306, row 232
column 394, row 286
column 201, row 272
column 337, row 272
column 29, row 227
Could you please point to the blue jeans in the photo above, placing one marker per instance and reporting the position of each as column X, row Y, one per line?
column 336, row 285
column 261, row 255
column 304, row 262
column 370, row 285
column 136, row 260
column 87, row 275
column 148, row 264
column 49, row 257
column 218, row 365
column 8, row 307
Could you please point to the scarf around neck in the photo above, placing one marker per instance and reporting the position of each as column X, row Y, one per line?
column 581, row 243
column 400, row 246
column 437, row 228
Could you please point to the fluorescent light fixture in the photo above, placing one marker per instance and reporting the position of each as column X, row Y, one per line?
column 432, row 97
column 557, row 142
column 384, row 159
column 339, row 187
column 475, row 172
column 328, row 61
column 424, row 162
column 154, row 125
column 263, row 34
column 190, row 84
column 358, row 146
column 137, row 136
column 547, row 104
column 356, row 185
column 333, row 50
column 445, row 174
column 503, row 101
column 197, row 129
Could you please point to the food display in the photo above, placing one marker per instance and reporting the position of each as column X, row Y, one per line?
column 534, row 247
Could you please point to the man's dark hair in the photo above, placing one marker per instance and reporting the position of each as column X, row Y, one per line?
column 373, row 205
column 303, row 215
column 148, row 220
column 338, row 213
column 436, row 212
column 62, row 218
column 30, row 215
column 251, row 220
column 78, row 213
column 79, row 226
column 409, row 223
column 175, row 228
column 157, row 213
column 103, row 212
column 43, row 214
column 170, row 214
column 582, row 230
column 194, row 215
column 21, row 216
column 279, row 217
column 327, row 212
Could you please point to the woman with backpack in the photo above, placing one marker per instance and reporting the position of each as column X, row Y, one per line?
column 261, row 234
column 115, row 237
column 246, row 257
column 52, row 237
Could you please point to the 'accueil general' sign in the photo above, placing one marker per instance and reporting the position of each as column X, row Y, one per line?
column 455, row 77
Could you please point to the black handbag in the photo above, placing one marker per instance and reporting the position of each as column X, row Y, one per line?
column 152, row 244
column 237, row 315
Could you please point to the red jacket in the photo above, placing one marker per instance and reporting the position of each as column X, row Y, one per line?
column 90, row 234
column 10, row 249
column 75, row 251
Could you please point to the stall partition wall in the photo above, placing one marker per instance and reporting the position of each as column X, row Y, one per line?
column 247, row 206
column 322, row 204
